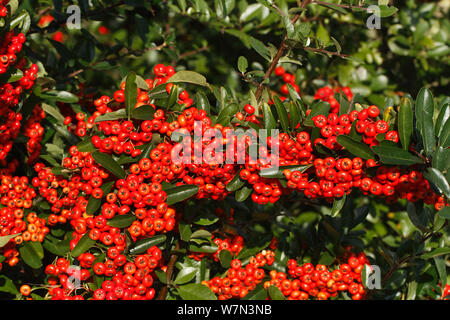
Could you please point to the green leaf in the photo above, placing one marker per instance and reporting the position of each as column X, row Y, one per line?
column 94, row 203
column 208, row 248
column 317, row 108
column 130, row 93
column 121, row 221
column 356, row 148
column 189, row 77
column 202, row 103
column 243, row 193
column 444, row 137
column 140, row 82
column 196, row 291
column 338, row 204
column 107, row 162
column 439, row 180
column 242, row 64
column 442, row 118
column 225, row 258
column 61, row 96
column 282, row 113
column 445, row 213
column 185, row 231
column 277, row 172
column 259, row 293
column 439, row 262
column 275, row 293
column 5, row 239
column 386, row 11
column 440, row 158
column 31, row 254
column 142, row 245
column 294, row 114
column 84, row 244
column 86, row 145
column 405, row 122
column 205, row 219
column 59, row 248
column 180, row 193
column 435, row 253
column 185, row 275
column 236, row 183
column 114, row 115
column 268, row 118
column 14, row 76
column 7, row 285
column 259, row 47
column 424, row 115
column 395, row 155
column 54, row 112
column 144, row 112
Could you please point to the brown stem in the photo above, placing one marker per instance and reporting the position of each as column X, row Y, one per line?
column 193, row 52
column 279, row 54
column 169, row 272
column 332, row 53
column 346, row 6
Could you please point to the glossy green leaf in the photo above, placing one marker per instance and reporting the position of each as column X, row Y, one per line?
column 107, row 162
column 94, row 203
column 185, row 275
column 395, row 155
column 424, row 115
column 143, row 244
column 275, row 293
column 277, row 172
column 225, row 258
column 121, row 221
column 259, row 293
column 5, row 239
column 439, row 180
column 445, row 213
column 338, row 204
column 201, row 102
column 180, row 193
column 405, row 122
column 186, row 76
column 317, row 108
column 268, row 118
column 130, row 93
column 356, row 148
column 444, row 137
column 282, row 114
column 114, row 115
column 435, row 253
column 83, row 245
column 242, row 194
column 236, row 183
column 144, row 112
column 196, row 291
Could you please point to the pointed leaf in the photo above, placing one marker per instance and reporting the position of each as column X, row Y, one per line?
column 180, row 193
column 405, row 122
column 107, row 162
column 356, row 148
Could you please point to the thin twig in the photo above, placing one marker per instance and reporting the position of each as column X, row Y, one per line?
column 279, row 54
column 345, row 6
column 170, row 267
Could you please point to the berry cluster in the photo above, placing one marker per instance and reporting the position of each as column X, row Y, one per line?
column 11, row 93
column 16, row 218
column 308, row 281
column 239, row 281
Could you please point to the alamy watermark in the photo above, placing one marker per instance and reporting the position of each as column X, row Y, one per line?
column 374, row 20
